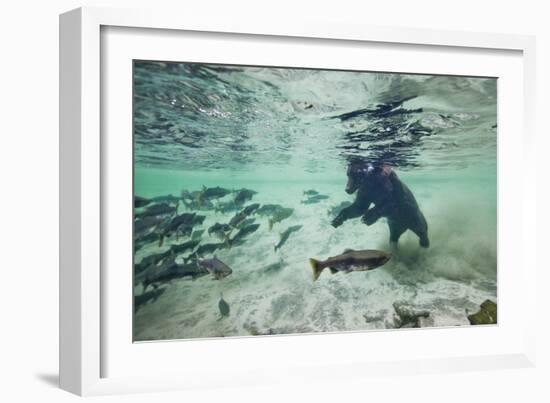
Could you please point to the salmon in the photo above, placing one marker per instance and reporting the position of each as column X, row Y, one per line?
column 350, row 260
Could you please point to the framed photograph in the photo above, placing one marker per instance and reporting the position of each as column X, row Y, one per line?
column 237, row 197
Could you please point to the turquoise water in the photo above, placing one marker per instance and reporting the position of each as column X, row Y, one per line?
column 281, row 132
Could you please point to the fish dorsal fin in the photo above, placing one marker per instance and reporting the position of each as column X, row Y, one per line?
column 348, row 250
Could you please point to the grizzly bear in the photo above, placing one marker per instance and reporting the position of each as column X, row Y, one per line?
column 379, row 185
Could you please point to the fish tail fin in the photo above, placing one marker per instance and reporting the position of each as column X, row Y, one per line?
column 200, row 196
column 228, row 242
column 270, row 223
column 317, row 270
column 279, row 244
column 161, row 239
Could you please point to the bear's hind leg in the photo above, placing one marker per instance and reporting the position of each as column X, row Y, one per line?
column 424, row 241
column 396, row 230
column 423, row 238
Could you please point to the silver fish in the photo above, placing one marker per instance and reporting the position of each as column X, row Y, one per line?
column 286, row 234
column 223, row 306
column 216, row 267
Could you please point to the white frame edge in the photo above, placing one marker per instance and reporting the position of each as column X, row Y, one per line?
column 80, row 164
column 79, row 288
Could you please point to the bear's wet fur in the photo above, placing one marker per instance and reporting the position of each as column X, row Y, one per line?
column 379, row 185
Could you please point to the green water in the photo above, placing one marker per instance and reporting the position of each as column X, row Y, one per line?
column 277, row 132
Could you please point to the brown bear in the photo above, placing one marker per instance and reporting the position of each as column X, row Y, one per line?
column 380, row 186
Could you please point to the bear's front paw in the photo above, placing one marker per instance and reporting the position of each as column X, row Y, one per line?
column 369, row 219
column 337, row 222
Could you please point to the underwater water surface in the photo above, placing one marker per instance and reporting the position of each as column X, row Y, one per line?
column 204, row 133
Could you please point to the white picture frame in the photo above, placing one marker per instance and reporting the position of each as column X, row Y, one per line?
column 83, row 171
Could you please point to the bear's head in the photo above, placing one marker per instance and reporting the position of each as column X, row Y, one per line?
column 360, row 173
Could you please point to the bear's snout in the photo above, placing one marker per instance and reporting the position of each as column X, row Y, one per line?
column 350, row 187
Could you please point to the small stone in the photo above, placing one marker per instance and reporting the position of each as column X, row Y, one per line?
column 487, row 314
column 409, row 316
